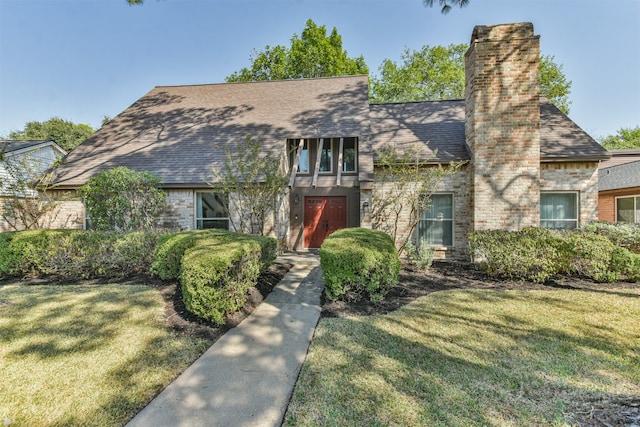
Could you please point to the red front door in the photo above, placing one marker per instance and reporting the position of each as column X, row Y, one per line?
column 323, row 216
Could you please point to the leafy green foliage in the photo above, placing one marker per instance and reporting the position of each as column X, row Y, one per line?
column 437, row 72
column 312, row 54
column 625, row 138
column 624, row 235
column 359, row 262
column 431, row 73
column 404, row 186
column 537, row 255
column 216, row 268
column 122, row 199
column 64, row 133
column 446, row 4
column 420, row 257
column 76, row 254
column 255, row 180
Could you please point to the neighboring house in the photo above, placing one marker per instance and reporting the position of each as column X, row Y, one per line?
column 527, row 164
column 20, row 163
column 619, row 187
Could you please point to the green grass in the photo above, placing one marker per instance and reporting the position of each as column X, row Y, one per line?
column 473, row 358
column 85, row 355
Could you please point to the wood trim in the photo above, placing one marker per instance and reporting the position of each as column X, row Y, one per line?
column 296, row 161
column 318, row 155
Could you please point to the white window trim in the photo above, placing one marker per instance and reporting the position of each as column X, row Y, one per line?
column 577, row 197
column 195, row 212
column 452, row 219
column 319, row 154
column 635, row 207
column 355, row 160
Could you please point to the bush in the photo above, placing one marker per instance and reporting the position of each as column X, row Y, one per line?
column 538, row 254
column 359, row 262
column 422, row 257
column 217, row 269
column 76, row 254
column 530, row 254
column 624, row 235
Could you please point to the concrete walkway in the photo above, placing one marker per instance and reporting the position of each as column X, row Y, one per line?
column 246, row 378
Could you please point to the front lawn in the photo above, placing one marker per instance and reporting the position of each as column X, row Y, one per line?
column 85, row 355
column 476, row 357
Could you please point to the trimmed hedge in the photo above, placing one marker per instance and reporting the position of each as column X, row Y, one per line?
column 76, row 254
column 538, row 254
column 216, row 268
column 358, row 263
column 621, row 234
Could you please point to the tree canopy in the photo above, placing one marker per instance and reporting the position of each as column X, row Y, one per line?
column 64, row 133
column 312, row 54
column 437, row 72
column 623, row 139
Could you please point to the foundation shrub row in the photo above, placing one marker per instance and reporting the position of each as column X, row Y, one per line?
column 538, row 255
column 215, row 268
column 359, row 263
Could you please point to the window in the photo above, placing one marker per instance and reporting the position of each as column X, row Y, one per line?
column 436, row 223
column 559, row 210
column 303, row 163
column 325, row 155
column 349, row 155
column 628, row 209
column 210, row 211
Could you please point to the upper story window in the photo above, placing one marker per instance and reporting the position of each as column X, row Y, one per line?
column 349, row 155
column 559, row 210
column 628, row 209
column 324, row 154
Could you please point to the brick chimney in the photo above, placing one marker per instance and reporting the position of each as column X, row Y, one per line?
column 502, row 126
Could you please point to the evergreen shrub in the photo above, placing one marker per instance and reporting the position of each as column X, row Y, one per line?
column 359, row 263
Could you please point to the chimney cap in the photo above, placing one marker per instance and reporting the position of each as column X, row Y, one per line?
column 502, row 31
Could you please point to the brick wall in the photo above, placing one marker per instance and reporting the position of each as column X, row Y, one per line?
column 607, row 202
column 180, row 211
column 502, row 126
column 581, row 177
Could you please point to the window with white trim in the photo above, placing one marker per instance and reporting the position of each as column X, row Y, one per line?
column 326, row 157
column 628, row 209
column 211, row 211
column 559, row 210
column 436, row 223
column 349, row 157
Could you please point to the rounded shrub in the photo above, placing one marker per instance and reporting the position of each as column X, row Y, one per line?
column 359, row 263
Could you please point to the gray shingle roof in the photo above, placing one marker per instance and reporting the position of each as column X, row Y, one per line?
column 438, row 127
column 176, row 132
column 9, row 146
column 618, row 177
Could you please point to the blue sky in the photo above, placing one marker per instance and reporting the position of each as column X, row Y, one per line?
column 84, row 59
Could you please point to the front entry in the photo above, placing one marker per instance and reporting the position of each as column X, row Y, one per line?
column 323, row 216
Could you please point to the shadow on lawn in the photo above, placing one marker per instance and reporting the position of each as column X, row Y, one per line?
column 466, row 364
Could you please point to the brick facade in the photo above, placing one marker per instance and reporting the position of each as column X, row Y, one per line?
column 607, row 202
column 580, row 177
column 502, row 126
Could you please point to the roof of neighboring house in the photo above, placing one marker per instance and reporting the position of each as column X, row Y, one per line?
column 617, row 177
column 619, row 157
column 177, row 132
column 437, row 130
column 14, row 146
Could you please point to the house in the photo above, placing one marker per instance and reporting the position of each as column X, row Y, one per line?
column 619, row 187
column 527, row 164
column 22, row 162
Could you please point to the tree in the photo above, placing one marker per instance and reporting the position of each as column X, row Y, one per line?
column 446, row 4
column 436, row 73
column 254, row 182
column 403, row 190
column 432, row 73
column 64, row 133
column 312, row 54
column 625, row 138
column 123, row 199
